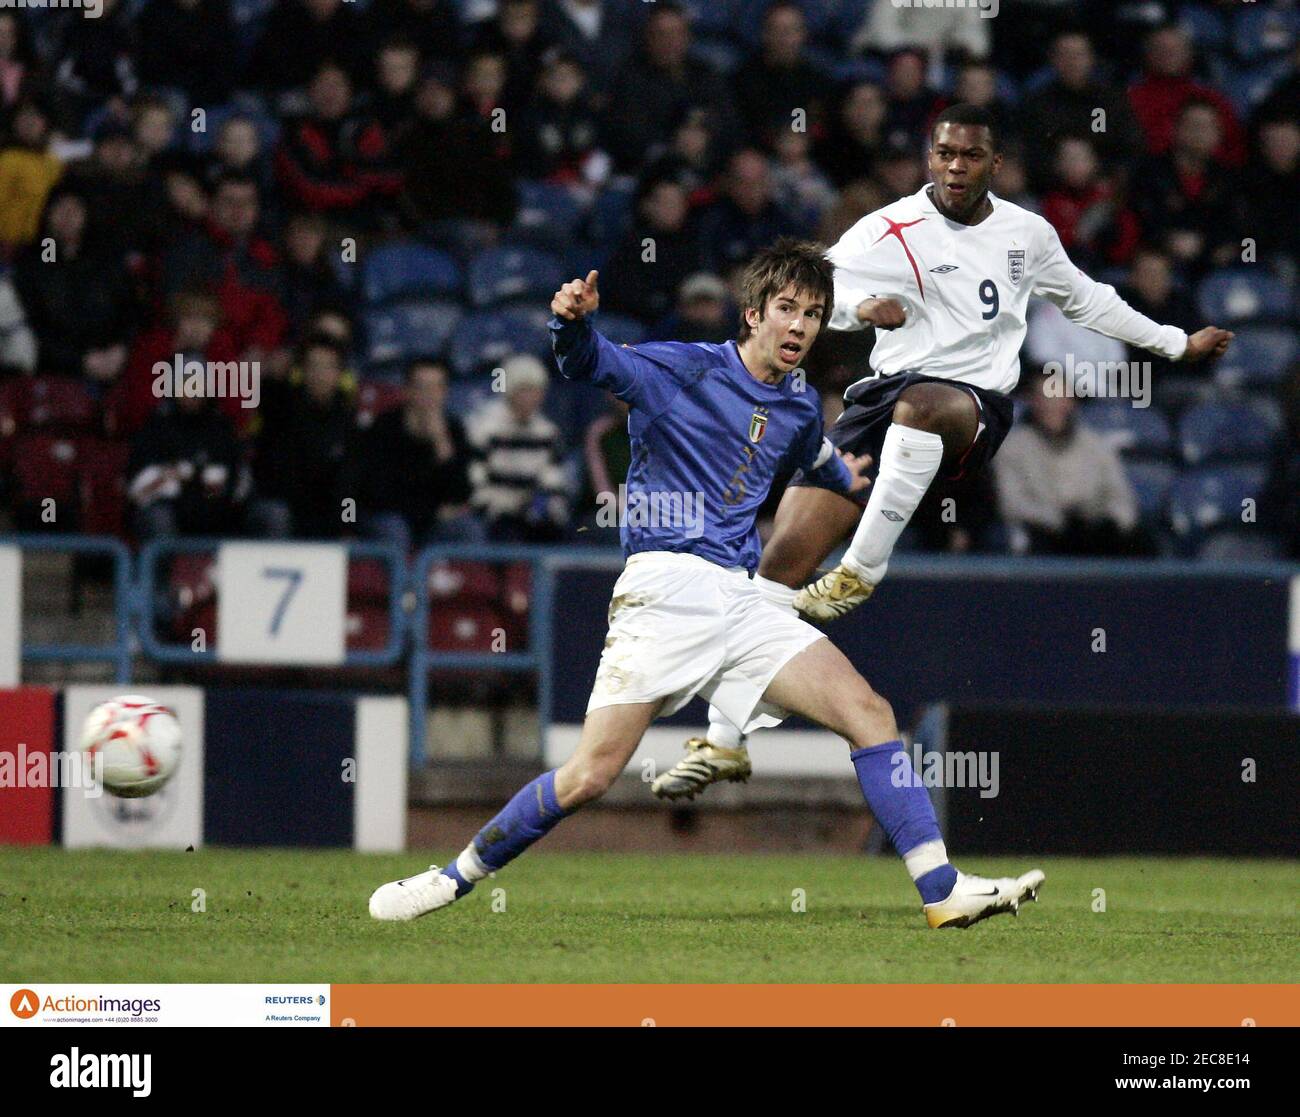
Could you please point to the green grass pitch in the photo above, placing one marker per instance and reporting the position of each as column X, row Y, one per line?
column 283, row 915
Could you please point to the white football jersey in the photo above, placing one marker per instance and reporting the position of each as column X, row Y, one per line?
column 966, row 291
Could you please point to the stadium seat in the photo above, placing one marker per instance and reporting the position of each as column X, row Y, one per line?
column 465, row 627
column 513, row 272
column 1264, row 31
column 1139, row 431
column 1151, row 482
column 548, row 215
column 610, row 216
column 465, row 581
column 720, row 52
column 1258, row 357
column 406, row 330
column 1206, row 27
column 368, row 582
column 45, row 467
column 1239, row 294
column 465, row 396
column 1248, row 85
column 408, row 270
column 1201, row 500
column 103, row 486
column 374, row 398
column 621, row 329
column 54, row 404
column 485, row 338
column 1225, row 432
column 1239, row 546
column 367, row 627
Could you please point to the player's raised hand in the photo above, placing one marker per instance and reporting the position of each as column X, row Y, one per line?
column 1209, row 342
column 858, row 465
column 577, row 298
column 884, row 314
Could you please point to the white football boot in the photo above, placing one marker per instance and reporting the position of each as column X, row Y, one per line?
column 702, row 765
column 975, row 898
column 412, row 897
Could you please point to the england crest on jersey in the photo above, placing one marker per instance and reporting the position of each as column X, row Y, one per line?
column 1016, row 265
column 758, row 425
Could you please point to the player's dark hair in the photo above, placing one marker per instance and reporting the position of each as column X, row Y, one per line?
column 802, row 263
column 973, row 115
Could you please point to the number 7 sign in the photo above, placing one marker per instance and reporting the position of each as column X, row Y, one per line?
column 281, row 603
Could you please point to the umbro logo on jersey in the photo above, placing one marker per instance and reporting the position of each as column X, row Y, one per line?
column 943, row 269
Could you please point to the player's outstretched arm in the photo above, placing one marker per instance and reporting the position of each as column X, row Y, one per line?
column 577, row 298
column 1209, row 342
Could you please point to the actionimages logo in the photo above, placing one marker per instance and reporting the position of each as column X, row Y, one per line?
column 24, row 1004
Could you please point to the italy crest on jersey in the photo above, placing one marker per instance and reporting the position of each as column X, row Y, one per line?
column 758, row 425
column 1016, row 265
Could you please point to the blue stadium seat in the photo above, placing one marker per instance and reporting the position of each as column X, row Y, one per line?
column 513, row 272
column 1141, row 431
column 1239, row 294
column 247, row 105
column 403, row 331
column 1225, row 432
column 1206, row 27
column 1202, row 500
column 1264, row 31
column 485, row 338
column 1151, row 482
column 408, row 270
column 548, row 215
column 1248, row 85
column 1258, row 357
column 610, row 216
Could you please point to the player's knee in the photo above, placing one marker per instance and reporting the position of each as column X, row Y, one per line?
column 587, row 780
column 874, row 715
column 919, row 408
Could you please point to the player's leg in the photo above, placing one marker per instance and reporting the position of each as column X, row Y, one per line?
column 934, row 424
column 809, row 524
column 822, row 685
column 610, row 736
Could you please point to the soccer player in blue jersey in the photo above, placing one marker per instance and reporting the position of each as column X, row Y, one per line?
column 711, row 426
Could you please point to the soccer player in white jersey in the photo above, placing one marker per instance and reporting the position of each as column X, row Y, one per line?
column 945, row 276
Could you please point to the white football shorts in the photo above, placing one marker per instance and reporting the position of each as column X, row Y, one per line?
column 680, row 625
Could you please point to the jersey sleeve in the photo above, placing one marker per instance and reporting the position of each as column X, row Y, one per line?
column 584, row 353
column 1097, row 305
column 820, row 463
column 861, row 272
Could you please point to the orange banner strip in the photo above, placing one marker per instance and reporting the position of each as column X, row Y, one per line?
column 732, row 1006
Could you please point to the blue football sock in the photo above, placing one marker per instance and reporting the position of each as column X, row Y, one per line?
column 904, row 810
column 530, row 815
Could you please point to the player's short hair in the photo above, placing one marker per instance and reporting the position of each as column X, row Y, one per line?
column 973, row 115
column 802, row 263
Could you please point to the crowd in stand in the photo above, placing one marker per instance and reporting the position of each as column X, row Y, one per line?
column 231, row 181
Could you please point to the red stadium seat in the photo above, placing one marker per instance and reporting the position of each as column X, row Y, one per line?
column 471, row 627
column 103, row 487
column 368, row 581
column 465, row 581
column 367, row 627
column 47, row 466
column 57, row 404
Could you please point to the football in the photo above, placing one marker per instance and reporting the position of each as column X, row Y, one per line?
column 134, row 744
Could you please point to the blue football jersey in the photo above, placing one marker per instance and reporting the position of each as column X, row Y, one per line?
column 708, row 439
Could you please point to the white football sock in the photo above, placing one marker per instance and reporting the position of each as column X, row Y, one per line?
column 470, row 865
column 925, row 858
column 777, row 593
column 909, row 460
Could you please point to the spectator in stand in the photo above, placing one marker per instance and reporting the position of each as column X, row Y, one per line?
column 778, row 80
column 153, row 128
column 655, row 256
column 409, row 473
column 432, row 25
column 746, row 218
column 657, row 86
column 1151, row 290
column 28, row 173
column 187, row 474
column 188, row 45
column 704, row 313
column 306, row 422
column 977, row 84
column 21, row 77
column 856, row 135
column 301, row 37
column 96, row 61
column 480, row 194
column 1280, row 504
column 900, row 169
column 1269, row 199
column 799, row 187
column 112, row 182
column 335, row 161
column 310, row 281
column 597, row 33
column 519, row 483
column 911, row 103
column 1013, row 180
column 1074, row 103
column 1095, row 227
column 517, row 35
column 483, row 89
column 558, row 128
column 397, row 76
column 238, row 150
column 1187, row 199
column 75, row 296
column 1166, row 88
column 191, row 331
column 231, row 260
column 691, row 160
column 17, row 342
column 1061, row 487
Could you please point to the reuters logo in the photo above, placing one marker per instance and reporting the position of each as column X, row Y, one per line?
column 24, row 1004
